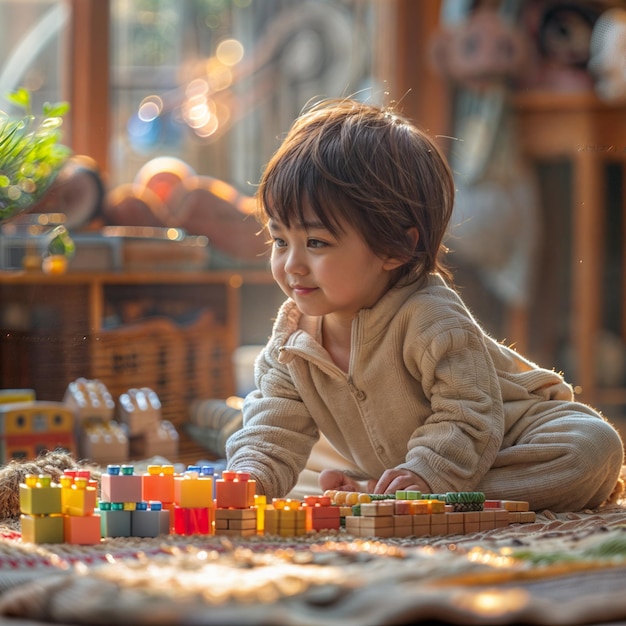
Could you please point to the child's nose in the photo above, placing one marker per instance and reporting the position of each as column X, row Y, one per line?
column 295, row 263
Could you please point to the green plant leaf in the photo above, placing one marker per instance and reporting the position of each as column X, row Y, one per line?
column 20, row 98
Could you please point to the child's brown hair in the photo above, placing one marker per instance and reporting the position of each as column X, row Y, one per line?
column 370, row 166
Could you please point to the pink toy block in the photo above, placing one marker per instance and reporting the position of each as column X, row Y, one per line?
column 120, row 484
column 235, row 490
column 158, row 483
column 81, row 530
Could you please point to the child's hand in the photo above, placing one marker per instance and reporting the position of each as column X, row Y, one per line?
column 338, row 481
column 393, row 480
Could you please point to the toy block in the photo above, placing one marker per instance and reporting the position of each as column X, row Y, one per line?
column 42, row 528
column 161, row 440
column 40, row 496
column 436, row 506
column 421, row 507
column 438, row 524
column 103, row 442
column 455, row 523
column 402, row 507
column 194, row 488
column 487, row 520
column 378, row 508
column 235, row 490
column 78, row 494
column 402, row 526
column 492, row 504
column 522, row 517
column 463, row 501
column 149, row 520
column 408, row 495
column 192, row 521
column 353, row 525
column 235, row 522
column 376, row 526
column 421, row 525
column 321, row 514
column 471, row 522
column 270, row 520
column 81, row 530
column 120, row 484
column 90, row 401
column 114, row 520
column 260, row 504
column 502, row 518
column 158, row 483
column 515, row 505
column 140, row 410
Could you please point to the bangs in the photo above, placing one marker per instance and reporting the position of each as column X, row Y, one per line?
column 291, row 190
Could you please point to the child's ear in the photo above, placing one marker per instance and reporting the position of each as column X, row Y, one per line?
column 392, row 263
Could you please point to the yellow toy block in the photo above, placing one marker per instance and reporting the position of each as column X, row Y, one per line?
column 158, row 483
column 42, row 528
column 81, row 530
column 40, row 496
column 260, row 504
column 78, row 495
column 193, row 489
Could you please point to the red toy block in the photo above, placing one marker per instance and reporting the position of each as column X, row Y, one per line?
column 192, row 521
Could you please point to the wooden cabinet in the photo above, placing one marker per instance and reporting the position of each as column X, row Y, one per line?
column 589, row 135
column 172, row 331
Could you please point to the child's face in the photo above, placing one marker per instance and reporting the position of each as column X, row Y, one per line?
column 325, row 274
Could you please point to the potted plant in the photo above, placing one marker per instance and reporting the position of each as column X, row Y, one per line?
column 31, row 154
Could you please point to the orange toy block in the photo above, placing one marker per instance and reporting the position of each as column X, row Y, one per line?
column 421, row 525
column 158, row 483
column 471, row 522
column 81, row 530
column 235, row 490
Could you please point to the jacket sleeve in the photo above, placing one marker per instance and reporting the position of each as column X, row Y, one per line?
column 457, row 444
column 278, row 432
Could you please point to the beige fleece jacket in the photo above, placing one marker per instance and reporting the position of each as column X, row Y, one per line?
column 427, row 390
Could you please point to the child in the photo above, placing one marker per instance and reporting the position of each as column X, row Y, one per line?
column 376, row 352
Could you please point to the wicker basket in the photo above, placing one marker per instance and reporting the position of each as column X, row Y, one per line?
column 180, row 363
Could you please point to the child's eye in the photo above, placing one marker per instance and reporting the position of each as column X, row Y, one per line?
column 279, row 243
column 316, row 243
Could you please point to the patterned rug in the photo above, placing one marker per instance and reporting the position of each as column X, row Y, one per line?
column 562, row 569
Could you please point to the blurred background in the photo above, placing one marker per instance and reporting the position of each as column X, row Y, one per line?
column 175, row 106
